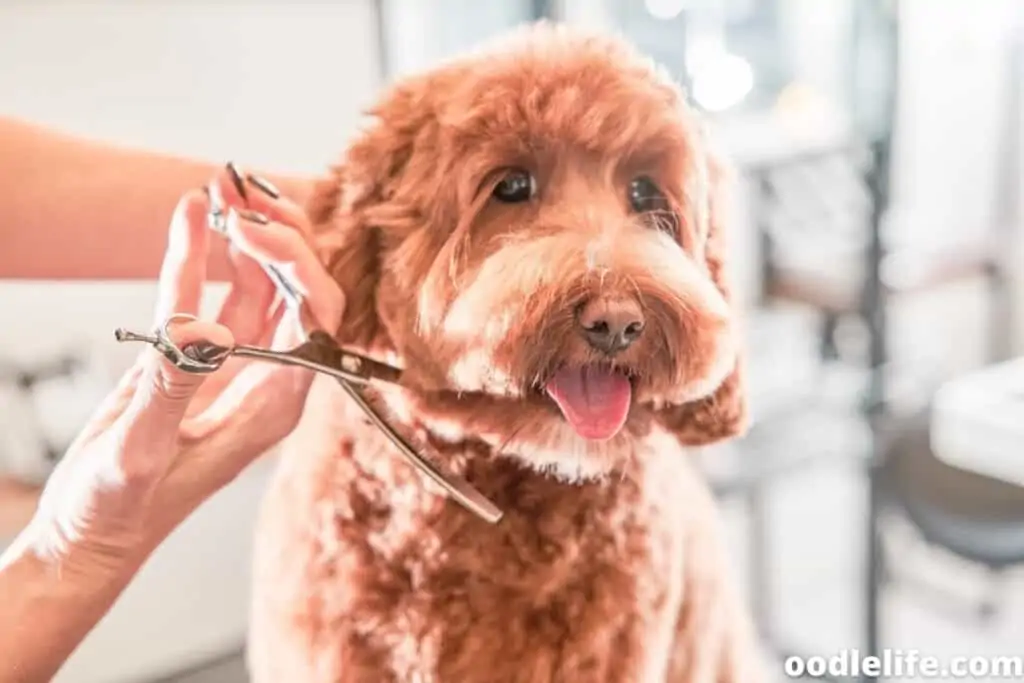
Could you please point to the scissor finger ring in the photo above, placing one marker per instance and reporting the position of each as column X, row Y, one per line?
column 199, row 358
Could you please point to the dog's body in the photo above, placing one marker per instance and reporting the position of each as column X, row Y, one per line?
column 565, row 334
column 366, row 575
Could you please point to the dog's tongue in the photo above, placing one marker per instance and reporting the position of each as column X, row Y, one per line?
column 595, row 401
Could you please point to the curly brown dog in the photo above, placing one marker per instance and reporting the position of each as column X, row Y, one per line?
column 534, row 233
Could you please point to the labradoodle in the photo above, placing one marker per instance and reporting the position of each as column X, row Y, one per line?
column 534, row 233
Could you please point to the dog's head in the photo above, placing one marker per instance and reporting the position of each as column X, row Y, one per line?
column 535, row 233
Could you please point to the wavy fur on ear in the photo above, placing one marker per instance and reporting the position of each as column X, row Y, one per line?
column 350, row 249
column 723, row 414
column 364, row 201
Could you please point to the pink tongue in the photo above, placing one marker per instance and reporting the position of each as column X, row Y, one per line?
column 595, row 401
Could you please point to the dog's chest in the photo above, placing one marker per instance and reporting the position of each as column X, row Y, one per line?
column 574, row 583
column 569, row 576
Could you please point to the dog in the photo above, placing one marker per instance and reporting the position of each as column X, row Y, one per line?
column 534, row 234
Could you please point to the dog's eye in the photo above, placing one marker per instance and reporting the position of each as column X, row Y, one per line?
column 517, row 186
column 647, row 198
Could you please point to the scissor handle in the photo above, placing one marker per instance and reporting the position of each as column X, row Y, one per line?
column 199, row 357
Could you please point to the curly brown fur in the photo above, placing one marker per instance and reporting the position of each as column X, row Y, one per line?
column 607, row 565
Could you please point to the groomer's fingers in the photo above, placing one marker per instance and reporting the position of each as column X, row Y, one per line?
column 260, row 402
column 149, row 425
column 184, row 268
column 241, row 189
column 248, row 305
column 275, row 231
column 273, row 244
column 249, row 312
column 260, row 406
column 270, row 334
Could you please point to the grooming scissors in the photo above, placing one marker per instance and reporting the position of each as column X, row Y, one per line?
column 318, row 352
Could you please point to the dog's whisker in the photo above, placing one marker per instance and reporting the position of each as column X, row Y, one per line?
column 509, row 439
column 666, row 221
column 626, row 471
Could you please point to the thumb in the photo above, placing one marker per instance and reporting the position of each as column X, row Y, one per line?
column 163, row 392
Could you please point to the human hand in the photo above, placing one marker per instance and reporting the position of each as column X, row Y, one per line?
column 165, row 440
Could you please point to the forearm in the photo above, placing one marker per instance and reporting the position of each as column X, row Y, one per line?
column 79, row 209
column 46, row 611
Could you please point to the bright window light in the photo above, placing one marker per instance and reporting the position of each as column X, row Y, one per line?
column 722, row 82
column 665, row 9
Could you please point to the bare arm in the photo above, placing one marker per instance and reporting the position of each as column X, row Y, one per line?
column 47, row 614
column 72, row 208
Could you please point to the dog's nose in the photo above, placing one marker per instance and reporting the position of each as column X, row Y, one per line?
column 610, row 325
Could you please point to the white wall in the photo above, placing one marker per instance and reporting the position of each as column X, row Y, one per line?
column 954, row 108
column 817, row 37
column 421, row 32
column 953, row 101
column 274, row 84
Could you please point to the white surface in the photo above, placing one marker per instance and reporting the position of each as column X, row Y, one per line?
column 978, row 423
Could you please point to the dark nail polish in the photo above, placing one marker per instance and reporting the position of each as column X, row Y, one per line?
column 264, row 186
column 254, row 216
column 236, row 180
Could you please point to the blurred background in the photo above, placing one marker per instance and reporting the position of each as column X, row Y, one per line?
column 878, row 501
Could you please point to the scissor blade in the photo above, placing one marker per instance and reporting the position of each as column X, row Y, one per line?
column 457, row 487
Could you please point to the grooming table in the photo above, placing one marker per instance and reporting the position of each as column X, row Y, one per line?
column 978, row 422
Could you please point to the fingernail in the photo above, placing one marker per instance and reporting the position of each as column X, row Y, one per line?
column 254, row 216
column 264, row 186
column 236, row 180
column 216, row 219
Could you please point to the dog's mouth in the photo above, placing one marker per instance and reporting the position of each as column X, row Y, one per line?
column 594, row 399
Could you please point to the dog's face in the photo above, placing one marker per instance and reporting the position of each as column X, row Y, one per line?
column 535, row 233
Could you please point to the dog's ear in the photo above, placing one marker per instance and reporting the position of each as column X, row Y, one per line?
column 360, row 207
column 349, row 248
column 723, row 413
